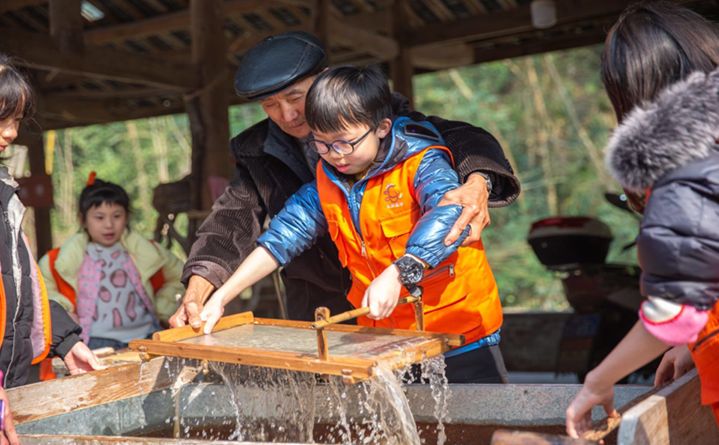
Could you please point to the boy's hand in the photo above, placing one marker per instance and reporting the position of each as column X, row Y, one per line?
column 473, row 196
column 383, row 293
column 212, row 312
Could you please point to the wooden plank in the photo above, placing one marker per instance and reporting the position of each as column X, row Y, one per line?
column 507, row 23
column 342, row 366
column 535, row 43
column 452, row 340
column 672, row 415
column 39, row 51
column 185, row 332
column 54, row 397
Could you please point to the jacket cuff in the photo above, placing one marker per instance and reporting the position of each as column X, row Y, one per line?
column 682, row 328
column 66, row 344
column 212, row 272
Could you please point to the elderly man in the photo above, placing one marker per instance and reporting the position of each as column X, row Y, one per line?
column 273, row 162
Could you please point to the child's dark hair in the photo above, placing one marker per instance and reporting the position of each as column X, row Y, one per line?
column 99, row 192
column 348, row 95
column 651, row 46
column 16, row 96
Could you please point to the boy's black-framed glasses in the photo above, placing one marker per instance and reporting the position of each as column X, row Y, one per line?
column 339, row 146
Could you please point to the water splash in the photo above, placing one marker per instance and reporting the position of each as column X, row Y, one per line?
column 433, row 371
column 288, row 406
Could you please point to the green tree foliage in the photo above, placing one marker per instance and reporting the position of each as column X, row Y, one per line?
column 549, row 112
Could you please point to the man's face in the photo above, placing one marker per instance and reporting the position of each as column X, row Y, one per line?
column 287, row 108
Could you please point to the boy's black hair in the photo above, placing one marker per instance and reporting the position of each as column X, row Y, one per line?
column 652, row 45
column 348, row 95
column 102, row 192
column 16, row 95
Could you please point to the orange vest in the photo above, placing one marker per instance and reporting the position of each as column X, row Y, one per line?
column 705, row 353
column 156, row 281
column 460, row 295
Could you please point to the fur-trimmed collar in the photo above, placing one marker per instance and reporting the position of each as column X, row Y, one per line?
column 679, row 127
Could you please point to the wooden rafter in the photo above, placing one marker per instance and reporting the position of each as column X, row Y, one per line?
column 511, row 22
column 13, row 5
column 40, row 51
column 173, row 21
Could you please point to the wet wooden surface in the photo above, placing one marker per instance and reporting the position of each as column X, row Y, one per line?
column 351, row 351
column 304, row 341
column 47, row 399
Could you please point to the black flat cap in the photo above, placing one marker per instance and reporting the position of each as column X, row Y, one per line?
column 277, row 62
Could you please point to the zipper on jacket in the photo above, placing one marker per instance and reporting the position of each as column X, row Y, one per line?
column 14, row 248
column 437, row 273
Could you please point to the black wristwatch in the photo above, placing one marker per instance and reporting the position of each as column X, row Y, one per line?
column 411, row 272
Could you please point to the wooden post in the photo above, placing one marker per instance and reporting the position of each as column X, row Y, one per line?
column 66, row 31
column 207, row 104
column 322, row 313
column 401, row 69
column 33, row 139
column 66, row 25
column 419, row 314
column 322, row 17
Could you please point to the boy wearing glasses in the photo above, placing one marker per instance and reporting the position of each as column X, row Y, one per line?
column 376, row 193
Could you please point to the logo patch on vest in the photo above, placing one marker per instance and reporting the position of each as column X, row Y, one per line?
column 392, row 197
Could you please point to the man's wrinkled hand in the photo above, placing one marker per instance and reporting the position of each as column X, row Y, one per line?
column 192, row 303
column 473, row 196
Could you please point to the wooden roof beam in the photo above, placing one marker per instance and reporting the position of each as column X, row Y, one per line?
column 59, row 111
column 13, row 5
column 531, row 46
column 174, row 21
column 511, row 22
column 40, row 51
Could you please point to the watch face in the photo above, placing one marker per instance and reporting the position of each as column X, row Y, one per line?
column 410, row 270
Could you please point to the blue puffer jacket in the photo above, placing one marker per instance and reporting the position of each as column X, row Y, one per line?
column 301, row 221
column 669, row 147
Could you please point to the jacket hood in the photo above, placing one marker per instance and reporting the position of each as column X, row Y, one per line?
column 679, row 127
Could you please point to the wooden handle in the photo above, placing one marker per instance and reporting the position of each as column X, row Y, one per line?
column 354, row 313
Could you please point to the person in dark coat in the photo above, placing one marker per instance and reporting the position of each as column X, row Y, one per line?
column 273, row 162
column 32, row 327
column 659, row 69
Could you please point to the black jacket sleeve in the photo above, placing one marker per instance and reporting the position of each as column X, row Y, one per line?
column 678, row 245
column 475, row 150
column 65, row 332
